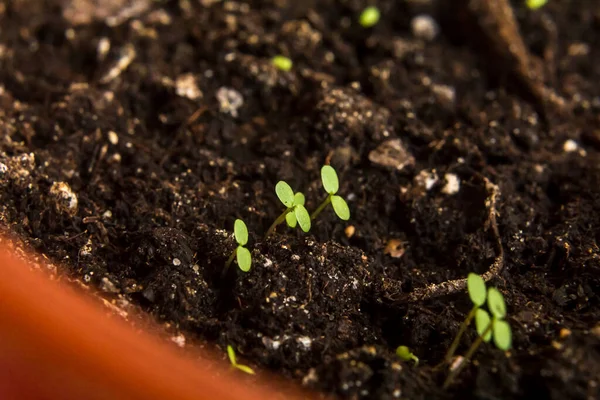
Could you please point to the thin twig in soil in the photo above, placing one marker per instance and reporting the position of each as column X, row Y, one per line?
column 392, row 288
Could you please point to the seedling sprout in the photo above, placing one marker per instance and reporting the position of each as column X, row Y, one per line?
column 369, row 17
column 487, row 327
column 234, row 364
column 477, row 293
column 535, row 4
column 405, row 354
column 295, row 212
column 240, row 253
column 331, row 185
column 282, row 63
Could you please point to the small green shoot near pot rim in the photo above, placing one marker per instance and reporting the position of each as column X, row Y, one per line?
column 234, row 364
column 405, row 354
column 369, row 17
column 295, row 212
column 331, row 185
column 487, row 327
column 241, row 253
column 535, row 4
column 282, row 63
column 477, row 294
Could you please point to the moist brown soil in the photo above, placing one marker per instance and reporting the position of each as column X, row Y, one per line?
column 122, row 160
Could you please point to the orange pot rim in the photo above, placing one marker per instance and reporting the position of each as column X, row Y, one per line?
column 57, row 342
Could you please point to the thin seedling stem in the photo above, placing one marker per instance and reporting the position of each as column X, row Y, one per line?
column 228, row 263
column 468, row 356
column 321, row 207
column 461, row 331
column 278, row 221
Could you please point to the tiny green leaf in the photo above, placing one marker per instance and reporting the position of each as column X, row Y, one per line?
column 245, row 368
column 303, row 217
column 496, row 303
column 233, row 361
column 476, row 288
column 231, row 355
column 285, row 193
column 282, row 63
column 502, row 335
column 241, row 232
column 535, row 4
column 244, row 258
column 369, row 17
column 482, row 321
column 299, row 199
column 290, row 219
column 340, row 207
column 330, row 179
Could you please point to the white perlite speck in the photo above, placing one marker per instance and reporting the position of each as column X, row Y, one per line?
column 305, row 342
column 113, row 138
column 176, row 262
column 186, row 86
column 452, row 184
column 424, row 27
column 230, row 100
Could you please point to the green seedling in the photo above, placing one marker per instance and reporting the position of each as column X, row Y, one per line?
column 282, row 63
column 405, row 354
column 295, row 212
column 535, row 4
column 488, row 327
column 331, row 185
column 234, row 364
column 477, row 293
column 242, row 254
column 369, row 17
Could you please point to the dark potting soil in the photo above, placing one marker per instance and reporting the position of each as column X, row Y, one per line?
column 133, row 134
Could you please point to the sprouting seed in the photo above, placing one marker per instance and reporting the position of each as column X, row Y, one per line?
column 405, row 354
column 240, row 253
column 369, row 17
column 234, row 364
column 282, row 63
column 535, row 4
column 295, row 212
column 331, row 185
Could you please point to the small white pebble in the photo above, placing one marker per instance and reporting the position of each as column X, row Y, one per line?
column 179, row 340
column 113, row 138
column 424, row 27
column 305, row 342
column 176, row 262
column 103, row 48
column 452, row 184
column 267, row 263
column 426, row 179
column 3, row 168
column 570, row 146
column 444, row 92
column 185, row 86
column 230, row 100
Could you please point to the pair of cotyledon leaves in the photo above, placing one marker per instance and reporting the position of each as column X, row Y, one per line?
column 243, row 257
column 500, row 330
column 295, row 201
